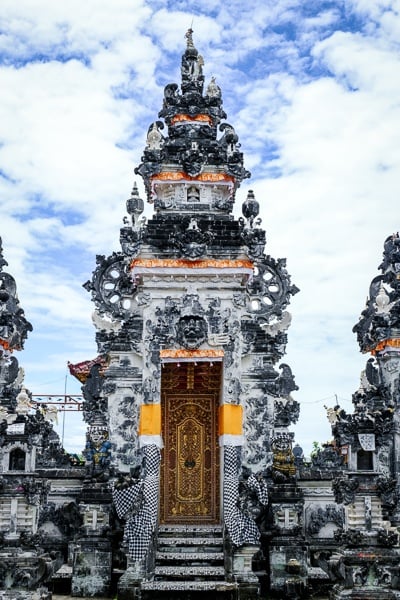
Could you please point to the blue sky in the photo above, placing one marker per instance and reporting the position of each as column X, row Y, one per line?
column 313, row 90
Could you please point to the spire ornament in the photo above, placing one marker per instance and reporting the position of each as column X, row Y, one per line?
column 189, row 38
column 192, row 67
column 14, row 327
column 379, row 324
column 193, row 147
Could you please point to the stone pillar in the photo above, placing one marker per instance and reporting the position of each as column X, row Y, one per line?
column 92, row 554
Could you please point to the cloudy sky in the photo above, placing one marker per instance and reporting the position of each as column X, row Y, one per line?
column 313, row 90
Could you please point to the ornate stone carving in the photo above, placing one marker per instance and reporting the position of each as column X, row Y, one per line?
column 257, row 433
column 35, row 491
column 94, row 405
column 327, row 458
column 14, row 327
column 66, row 518
column 387, row 489
column 350, row 537
column 344, row 490
column 14, row 330
column 252, row 235
column 111, row 285
column 383, row 574
column 150, row 388
column 191, row 332
column 25, row 575
column 98, row 452
column 380, row 320
column 278, row 385
column 387, row 538
column 319, row 516
column 270, row 288
column 192, row 242
column 287, row 411
column 283, row 457
column 253, row 494
column 192, row 144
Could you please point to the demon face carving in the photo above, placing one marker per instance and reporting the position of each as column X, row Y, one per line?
column 191, row 332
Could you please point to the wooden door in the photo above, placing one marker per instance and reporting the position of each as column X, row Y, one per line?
column 190, row 465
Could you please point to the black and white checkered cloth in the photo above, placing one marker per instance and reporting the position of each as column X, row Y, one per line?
column 242, row 530
column 260, row 488
column 127, row 500
column 141, row 524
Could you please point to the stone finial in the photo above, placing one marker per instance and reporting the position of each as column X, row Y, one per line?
column 189, row 38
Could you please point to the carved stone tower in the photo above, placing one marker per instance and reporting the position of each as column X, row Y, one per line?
column 27, row 442
column 191, row 323
column 367, row 564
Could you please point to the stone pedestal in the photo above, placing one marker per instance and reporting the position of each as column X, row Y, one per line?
column 41, row 593
column 91, row 568
column 129, row 583
column 242, row 572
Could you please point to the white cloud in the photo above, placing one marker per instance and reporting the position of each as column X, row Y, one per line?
column 51, row 27
column 316, row 106
column 374, row 8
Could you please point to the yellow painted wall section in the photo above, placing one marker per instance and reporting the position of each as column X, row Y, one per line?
column 150, row 419
column 230, row 419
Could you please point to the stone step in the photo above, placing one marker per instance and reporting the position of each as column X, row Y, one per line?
column 207, row 586
column 376, row 506
column 354, row 521
column 190, row 530
column 375, row 510
column 357, row 515
column 190, row 556
column 189, row 541
column 189, row 572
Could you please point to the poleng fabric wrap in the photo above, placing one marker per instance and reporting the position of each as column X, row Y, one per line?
column 139, row 505
column 242, row 530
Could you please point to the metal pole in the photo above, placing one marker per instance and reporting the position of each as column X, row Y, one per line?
column 63, row 422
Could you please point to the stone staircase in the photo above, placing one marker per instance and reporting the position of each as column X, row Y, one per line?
column 189, row 563
column 357, row 513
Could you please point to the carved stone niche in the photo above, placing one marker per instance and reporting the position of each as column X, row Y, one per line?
column 18, row 457
column 96, row 518
column 287, row 518
column 323, row 520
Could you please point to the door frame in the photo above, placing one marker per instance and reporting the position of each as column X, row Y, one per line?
column 218, row 455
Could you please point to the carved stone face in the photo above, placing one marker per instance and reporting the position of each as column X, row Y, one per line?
column 98, row 435
column 191, row 332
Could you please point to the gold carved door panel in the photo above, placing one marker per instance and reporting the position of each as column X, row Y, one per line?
column 190, row 467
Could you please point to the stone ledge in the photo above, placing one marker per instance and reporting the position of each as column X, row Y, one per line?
column 218, row 586
column 192, row 529
column 192, row 556
column 189, row 571
column 190, row 541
